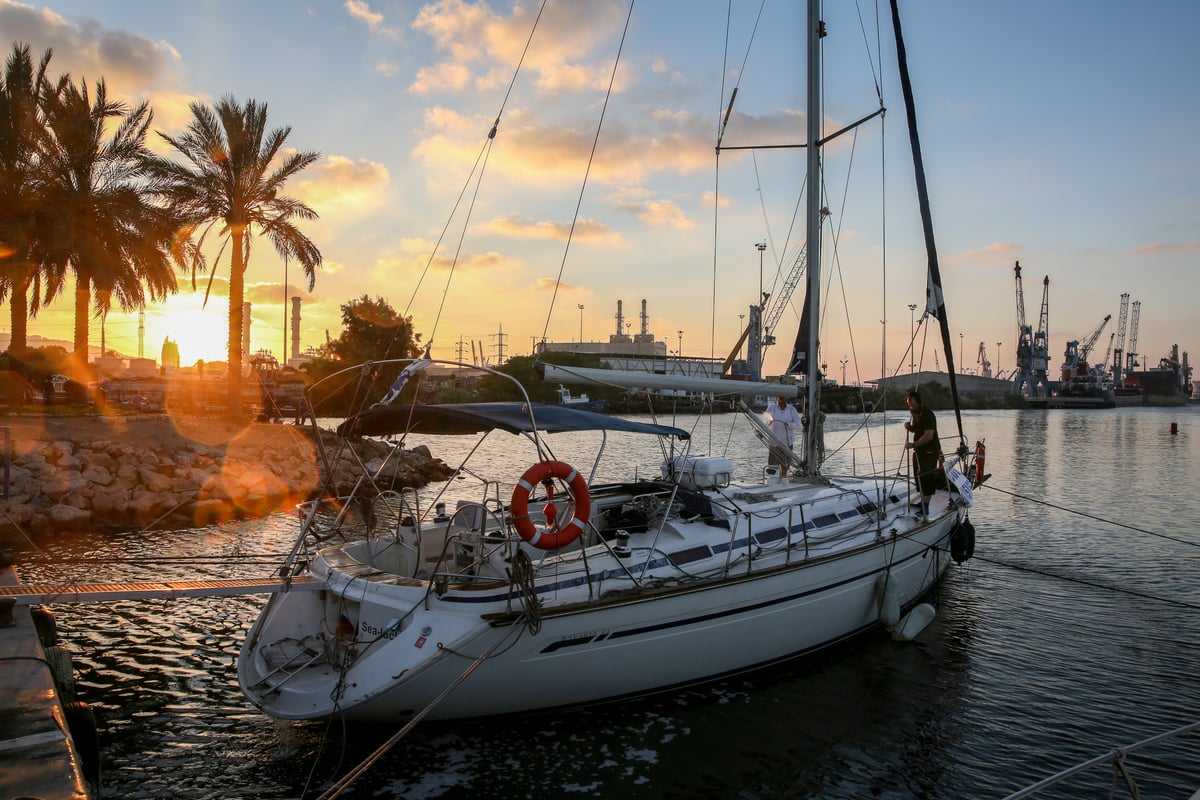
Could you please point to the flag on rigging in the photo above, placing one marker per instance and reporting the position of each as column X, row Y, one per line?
column 935, row 303
column 406, row 373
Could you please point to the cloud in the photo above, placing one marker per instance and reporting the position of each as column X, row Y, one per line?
column 723, row 201
column 996, row 251
column 441, row 77
column 362, row 12
column 388, row 69
column 659, row 212
column 535, row 152
column 486, row 262
column 1154, row 248
column 586, row 230
column 550, row 284
column 478, row 41
column 132, row 65
column 340, row 184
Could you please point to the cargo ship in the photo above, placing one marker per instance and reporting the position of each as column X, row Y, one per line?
column 1168, row 384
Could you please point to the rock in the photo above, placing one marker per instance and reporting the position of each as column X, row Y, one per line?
column 153, row 481
column 67, row 517
column 96, row 474
column 80, row 472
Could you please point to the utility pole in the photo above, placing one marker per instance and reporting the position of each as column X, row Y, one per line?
column 499, row 336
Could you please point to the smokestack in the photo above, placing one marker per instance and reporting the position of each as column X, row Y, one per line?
column 295, row 327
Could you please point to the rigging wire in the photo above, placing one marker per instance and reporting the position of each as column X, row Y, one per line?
column 722, row 123
column 482, row 156
column 612, row 78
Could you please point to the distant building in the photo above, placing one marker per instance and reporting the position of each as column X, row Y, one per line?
column 170, row 355
column 142, row 367
column 968, row 385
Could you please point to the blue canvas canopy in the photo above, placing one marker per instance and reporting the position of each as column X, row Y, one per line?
column 473, row 418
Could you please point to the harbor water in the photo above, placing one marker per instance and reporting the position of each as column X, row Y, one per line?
column 1075, row 630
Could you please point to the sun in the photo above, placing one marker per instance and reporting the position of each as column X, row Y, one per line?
column 200, row 331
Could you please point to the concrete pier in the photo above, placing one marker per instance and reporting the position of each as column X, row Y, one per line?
column 36, row 748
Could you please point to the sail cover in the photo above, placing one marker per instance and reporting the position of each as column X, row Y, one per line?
column 473, row 418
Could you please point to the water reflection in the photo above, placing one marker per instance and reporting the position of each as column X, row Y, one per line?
column 1067, row 636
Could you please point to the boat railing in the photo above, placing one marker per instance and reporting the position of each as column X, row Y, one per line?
column 1117, row 758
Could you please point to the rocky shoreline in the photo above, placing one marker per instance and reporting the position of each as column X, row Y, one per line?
column 68, row 474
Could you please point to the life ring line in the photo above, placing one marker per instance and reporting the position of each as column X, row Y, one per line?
column 560, row 537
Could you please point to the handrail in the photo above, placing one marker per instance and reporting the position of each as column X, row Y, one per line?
column 1116, row 757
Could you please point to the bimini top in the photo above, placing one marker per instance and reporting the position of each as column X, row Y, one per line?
column 468, row 418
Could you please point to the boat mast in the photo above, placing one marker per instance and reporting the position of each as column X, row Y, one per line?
column 812, row 142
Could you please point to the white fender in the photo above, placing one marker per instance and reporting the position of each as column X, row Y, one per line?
column 914, row 622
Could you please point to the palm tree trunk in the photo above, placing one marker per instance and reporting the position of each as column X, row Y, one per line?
column 19, row 309
column 83, row 305
column 237, row 291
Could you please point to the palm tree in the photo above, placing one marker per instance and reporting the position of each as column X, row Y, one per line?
column 101, row 223
column 231, row 179
column 22, row 130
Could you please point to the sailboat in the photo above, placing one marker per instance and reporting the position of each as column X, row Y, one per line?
column 489, row 595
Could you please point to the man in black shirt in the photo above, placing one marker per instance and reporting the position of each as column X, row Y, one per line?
column 927, row 449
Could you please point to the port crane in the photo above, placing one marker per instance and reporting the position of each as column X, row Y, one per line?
column 761, row 328
column 1033, row 358
column 1131, row 356
column 1076, row 356
column 983, row 359
column 1118, row 351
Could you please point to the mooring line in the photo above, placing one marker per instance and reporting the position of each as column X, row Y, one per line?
column 1114, row 523
column 1093, row 584
column 354, row 774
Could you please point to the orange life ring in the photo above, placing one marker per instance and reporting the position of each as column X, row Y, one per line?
column 553, row 538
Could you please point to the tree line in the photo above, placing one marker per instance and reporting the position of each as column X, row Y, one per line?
column 84, row 201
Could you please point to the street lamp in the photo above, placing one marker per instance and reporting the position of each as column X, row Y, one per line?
column 912, row 344
column 739, row 333
column 844, row 360
column 961, row 363
column 997, row 359
column 581, row 323
column 680, row 344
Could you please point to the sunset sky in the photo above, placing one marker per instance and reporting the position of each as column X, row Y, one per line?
column 1062, row 134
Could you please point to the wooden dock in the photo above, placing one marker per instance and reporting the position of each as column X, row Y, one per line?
column 43, row 593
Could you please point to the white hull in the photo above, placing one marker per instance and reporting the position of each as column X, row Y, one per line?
column 782, row 603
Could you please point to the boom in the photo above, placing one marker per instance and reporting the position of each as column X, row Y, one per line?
column 1086, row 349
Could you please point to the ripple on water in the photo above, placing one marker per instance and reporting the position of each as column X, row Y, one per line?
column 1043, row 655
